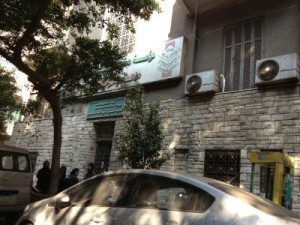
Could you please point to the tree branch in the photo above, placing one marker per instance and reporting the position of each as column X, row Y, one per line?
column 60, row 84
column 32, row 27
column 36, row 78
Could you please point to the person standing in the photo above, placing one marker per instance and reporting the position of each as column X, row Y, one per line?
column 74, row 175
column 89, row 171
column 71, row 180
column 43, row 177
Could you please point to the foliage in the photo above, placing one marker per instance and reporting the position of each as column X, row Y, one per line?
column 48, row 41
column 10, row 102
column 67, row 66
column 32, row 107
column 140, row 145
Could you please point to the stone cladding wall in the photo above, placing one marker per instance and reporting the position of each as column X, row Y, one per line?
column 256, row 119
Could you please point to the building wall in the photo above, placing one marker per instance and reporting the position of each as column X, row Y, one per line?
column 281, row 29
column 245, row 120
column 282, row 32
column 257, row 119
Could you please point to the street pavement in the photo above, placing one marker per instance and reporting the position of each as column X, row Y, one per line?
column 3, row 222
column 34, row 197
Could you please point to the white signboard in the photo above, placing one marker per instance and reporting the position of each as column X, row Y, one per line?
column 165, row 63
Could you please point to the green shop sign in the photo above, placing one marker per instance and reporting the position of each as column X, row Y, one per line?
column 105, row 108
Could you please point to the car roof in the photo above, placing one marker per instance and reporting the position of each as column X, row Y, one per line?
column 186, row 177
column 218, row 187
column 11, row 148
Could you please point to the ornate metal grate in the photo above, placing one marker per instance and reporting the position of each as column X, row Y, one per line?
column 223, row 165
column 102, row 156
column 126, row 40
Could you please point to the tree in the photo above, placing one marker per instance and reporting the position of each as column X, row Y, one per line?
column 35, row 42
column 10, row 102
column 140, row 145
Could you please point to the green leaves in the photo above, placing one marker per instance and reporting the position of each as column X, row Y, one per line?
column 91, row 64
column 48, row 41
column 140, row 145
column 10, row 102
column 52, row 36
column 8, row 97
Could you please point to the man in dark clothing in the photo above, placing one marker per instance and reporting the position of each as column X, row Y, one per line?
column 43, row 177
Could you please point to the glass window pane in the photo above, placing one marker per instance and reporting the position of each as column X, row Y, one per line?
column 102, row 191
column 22, row 163
column 169, row 194
column 7, row 162
column 108, row 191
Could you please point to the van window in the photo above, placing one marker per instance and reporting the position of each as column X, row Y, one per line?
column 7, row 162
column 12, row 161
column 22, row 163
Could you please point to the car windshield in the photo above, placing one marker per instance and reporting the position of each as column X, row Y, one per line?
column 255, row 201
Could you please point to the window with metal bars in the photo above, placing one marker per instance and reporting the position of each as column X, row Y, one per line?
column 126, row 40
column 242, row 48
column 223, row 165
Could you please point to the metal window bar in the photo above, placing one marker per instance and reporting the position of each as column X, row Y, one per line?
column 242, row 48
column 223, row 165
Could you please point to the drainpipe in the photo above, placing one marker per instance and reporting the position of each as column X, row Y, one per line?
column 195, row 29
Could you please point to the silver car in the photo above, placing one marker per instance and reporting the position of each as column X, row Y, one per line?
column 150, row 197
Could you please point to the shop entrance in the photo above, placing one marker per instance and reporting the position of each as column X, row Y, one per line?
column 276, row 176
column 104, row 135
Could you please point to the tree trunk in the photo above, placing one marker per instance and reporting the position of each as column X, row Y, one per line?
column 44, row 87
column 57, row 137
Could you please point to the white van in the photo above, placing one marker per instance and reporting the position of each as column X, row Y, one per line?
column 15, row 180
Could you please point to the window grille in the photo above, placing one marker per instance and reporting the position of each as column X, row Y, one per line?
column 242, row 48
column 223, row 165
column 126, row 40
column 102, row 158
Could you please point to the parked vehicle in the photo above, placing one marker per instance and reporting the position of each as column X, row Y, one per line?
column 15, row 180
column 155, row 198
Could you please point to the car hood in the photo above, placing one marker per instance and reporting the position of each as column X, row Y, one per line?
column 34, row 207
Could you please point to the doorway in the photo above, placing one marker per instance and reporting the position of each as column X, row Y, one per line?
column 104, row 135
column 102, row 156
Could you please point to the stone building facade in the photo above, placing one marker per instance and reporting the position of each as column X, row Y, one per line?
column 267, row 120
column 210, row 134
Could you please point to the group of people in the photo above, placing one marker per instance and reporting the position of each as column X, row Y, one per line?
column 43, row 177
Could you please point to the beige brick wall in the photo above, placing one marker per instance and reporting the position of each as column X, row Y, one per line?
column 268, row 118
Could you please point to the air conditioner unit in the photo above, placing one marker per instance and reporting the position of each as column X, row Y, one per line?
column 203, row 82
column 280, row 69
